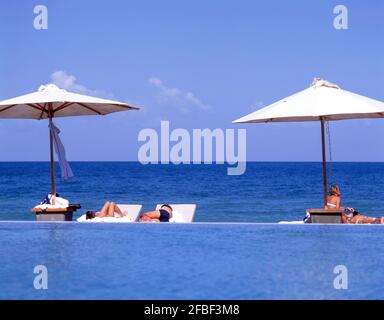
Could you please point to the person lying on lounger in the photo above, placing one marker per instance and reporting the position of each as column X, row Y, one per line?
column 162, row 215
column 110, row 209
column 357, row 218
column 354, row 217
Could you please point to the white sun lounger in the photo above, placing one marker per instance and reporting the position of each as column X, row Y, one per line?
column 182, row 213
column 292, row 222
column 132, row 210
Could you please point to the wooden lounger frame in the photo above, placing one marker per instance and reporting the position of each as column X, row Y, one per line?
column 326, row 215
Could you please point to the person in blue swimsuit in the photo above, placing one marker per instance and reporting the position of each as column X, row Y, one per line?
column 161, row 215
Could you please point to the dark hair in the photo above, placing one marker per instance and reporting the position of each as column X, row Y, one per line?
column 90, row 215
column 355, row 213
column 167, row 205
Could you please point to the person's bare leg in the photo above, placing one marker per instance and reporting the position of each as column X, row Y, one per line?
column 144, row 219
column 105, row 207
column 117, row 209
column 104, row 210
column 360, row 219
column 150, row 216
column 148, row 219
column 368, row 220
column 111, row 210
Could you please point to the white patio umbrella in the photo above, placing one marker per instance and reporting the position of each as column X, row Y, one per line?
column 322, row 101
column 52, row 102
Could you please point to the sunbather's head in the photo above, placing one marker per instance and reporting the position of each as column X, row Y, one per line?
column 334, row 190
column 90, row 215
column 167, row 207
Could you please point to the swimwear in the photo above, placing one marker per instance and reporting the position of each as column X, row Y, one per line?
column 164, row 215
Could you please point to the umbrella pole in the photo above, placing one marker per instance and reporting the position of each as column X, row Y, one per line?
column 53, row 191
column 324, row 161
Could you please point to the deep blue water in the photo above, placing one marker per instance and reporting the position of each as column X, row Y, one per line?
column 267, row 192
column 195, row 261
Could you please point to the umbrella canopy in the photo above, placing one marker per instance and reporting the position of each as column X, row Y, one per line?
column 322, row 101
column 52, row 102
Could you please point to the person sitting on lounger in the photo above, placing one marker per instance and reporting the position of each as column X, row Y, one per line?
column 334, row 202
column 110, row 209
column 358, row 218
column 334, row 199
column 354, row 217
column 162, row 215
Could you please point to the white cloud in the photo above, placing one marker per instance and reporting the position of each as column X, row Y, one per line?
column 68, row 82
column 185, row 100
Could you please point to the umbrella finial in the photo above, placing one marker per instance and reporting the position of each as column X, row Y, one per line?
column 318, row 82
column 49, row 87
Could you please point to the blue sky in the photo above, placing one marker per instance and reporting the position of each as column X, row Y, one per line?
column 219, row 59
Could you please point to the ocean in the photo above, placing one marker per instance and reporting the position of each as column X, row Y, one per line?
column 235, row 251
column 267, row 192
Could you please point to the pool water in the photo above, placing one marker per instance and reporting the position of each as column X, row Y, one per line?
column 190, row 261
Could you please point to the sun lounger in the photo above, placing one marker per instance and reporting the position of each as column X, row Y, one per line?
column 182, row 213
column 132, row 210
column 291, row 222
column 325, row 215
column 319, row 216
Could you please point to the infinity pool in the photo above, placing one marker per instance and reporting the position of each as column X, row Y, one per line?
column 193, row 261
